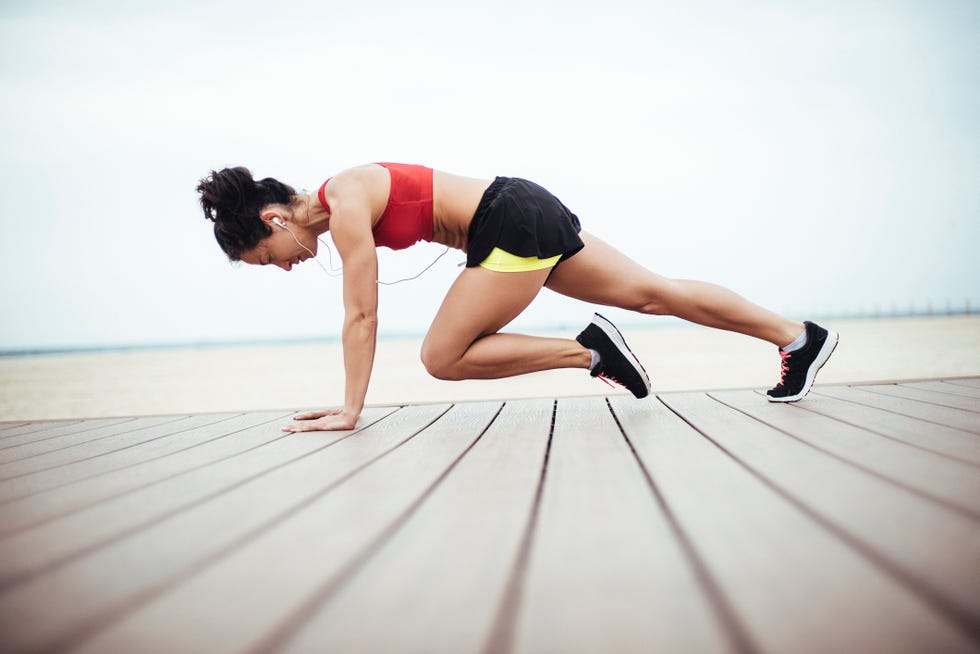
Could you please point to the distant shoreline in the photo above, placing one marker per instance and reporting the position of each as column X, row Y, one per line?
column 663, row 322
column 307, row 375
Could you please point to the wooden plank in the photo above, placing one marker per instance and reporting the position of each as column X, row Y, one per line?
column 969, row 382
column 460, row 546
column 955, row 418
column 938, row 477
column 300, row 559
column 75, row 439
column 148, row 432
column 57, row 430
column 932, row 550
column 606, row 572
column 20, row 487
column 35, row 427
column 4, row 426
column 789, row 584
column 943, row 440
column 943, row 387
column 85, row 595
column 57, row 535
column 928, row 396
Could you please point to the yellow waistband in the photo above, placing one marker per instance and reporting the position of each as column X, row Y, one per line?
column 503, row 261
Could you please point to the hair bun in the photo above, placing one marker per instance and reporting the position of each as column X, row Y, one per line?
column 232, row 199
column 226, row 191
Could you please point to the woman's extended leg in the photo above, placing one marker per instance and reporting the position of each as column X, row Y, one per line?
column 463, row 342
column 600, row 274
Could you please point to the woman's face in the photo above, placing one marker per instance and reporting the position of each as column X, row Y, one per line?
column 283, row 248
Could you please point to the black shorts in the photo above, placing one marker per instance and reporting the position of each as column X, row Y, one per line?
column 523, row 219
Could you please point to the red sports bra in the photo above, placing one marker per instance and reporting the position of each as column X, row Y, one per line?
column 407, row 219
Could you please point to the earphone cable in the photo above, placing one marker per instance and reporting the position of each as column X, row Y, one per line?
column 408, row 279
column 341, row 268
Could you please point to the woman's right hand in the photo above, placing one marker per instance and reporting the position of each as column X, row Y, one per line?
column 329, row 420
column 314, row 415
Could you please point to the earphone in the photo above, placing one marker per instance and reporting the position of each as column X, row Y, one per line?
column 278, row 221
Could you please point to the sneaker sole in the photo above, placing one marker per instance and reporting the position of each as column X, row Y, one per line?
column 610, row 330
column 828, row 348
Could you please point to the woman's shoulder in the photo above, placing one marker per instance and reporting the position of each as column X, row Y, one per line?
column 364, row 185
column 357, row 181
column 360, row 174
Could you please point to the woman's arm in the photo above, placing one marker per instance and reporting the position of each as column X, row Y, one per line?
column 360, row 321
column 350, row 226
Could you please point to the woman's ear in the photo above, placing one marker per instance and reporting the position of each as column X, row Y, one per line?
column 272, row 217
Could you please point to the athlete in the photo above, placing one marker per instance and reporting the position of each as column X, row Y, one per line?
column 517, row 237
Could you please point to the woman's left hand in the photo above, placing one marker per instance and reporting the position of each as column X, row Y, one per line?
column 333, row 422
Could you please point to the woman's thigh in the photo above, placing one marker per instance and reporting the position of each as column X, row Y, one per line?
column 480, row 302
column 601, row 274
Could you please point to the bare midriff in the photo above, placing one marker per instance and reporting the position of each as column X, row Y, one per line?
column 454, row 201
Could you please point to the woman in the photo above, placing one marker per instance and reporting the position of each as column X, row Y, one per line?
column 518, row 238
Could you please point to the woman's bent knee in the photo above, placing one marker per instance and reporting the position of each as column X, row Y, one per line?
column 438, row 365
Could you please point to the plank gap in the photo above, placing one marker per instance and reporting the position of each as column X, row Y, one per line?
column 874, row 473
column 91, row 627
column 717, row 599
column 51, row 427
column 866, row 404
column 129, row 490
column 960, row 618
column 313, row 603
column 159, row 518
column 118, row 449
column 501, row 637
column 878, row 391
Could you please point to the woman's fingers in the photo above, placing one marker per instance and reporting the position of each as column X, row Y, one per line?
column 324, row 423
column 299, row 428
column 314, row 415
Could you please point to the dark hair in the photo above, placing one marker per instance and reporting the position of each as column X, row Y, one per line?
column 233, row 200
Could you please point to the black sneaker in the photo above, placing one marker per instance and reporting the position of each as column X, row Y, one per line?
column 617, row 362
column 800, row 367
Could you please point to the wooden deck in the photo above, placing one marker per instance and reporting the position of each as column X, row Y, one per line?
column 690, row 522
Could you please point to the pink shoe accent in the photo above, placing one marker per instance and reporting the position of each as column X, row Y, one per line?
column 785, row 365
column 607, row 380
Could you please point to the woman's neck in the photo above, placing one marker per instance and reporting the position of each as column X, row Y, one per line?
column 308, row 213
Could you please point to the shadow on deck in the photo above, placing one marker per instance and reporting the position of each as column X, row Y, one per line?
column 689, row 522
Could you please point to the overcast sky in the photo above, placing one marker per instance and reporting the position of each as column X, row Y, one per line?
column 817, row 157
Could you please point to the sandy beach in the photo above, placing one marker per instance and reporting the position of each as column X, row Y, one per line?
column 299, row 376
